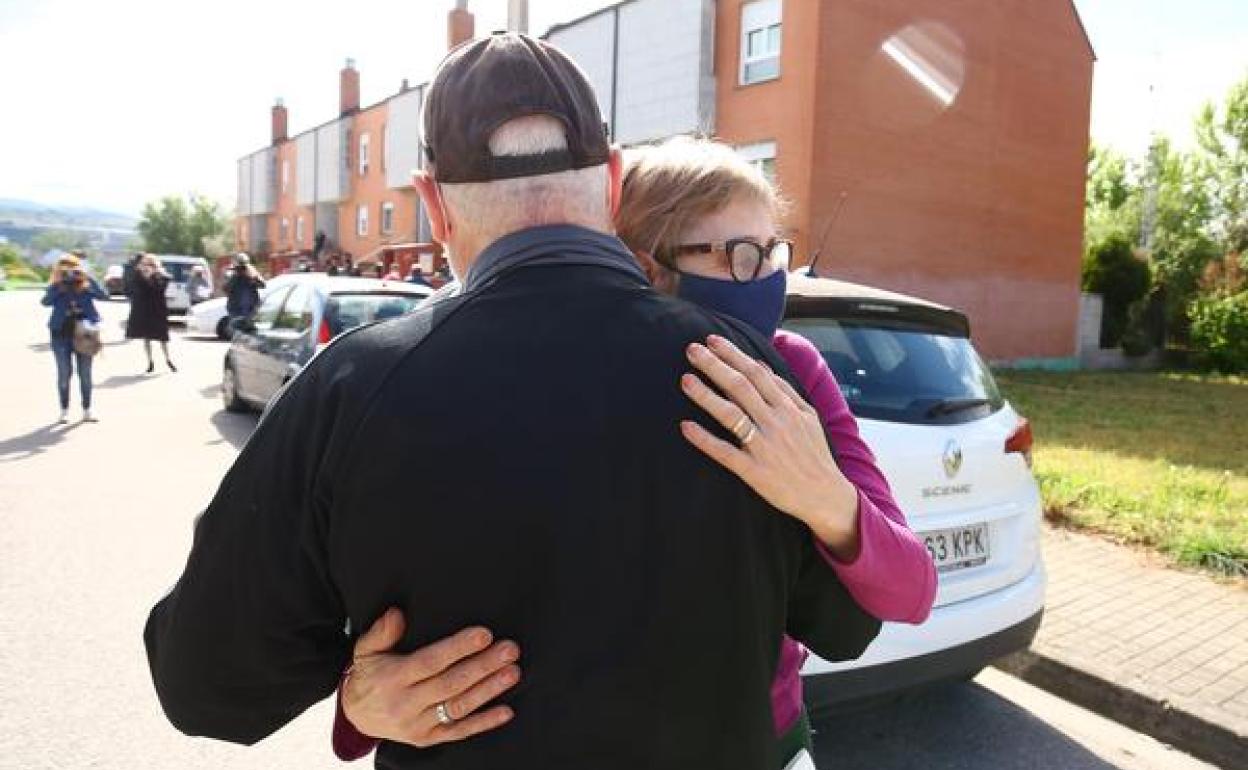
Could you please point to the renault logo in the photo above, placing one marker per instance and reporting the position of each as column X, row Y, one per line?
column 952, row 458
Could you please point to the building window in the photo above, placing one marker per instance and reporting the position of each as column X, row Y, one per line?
column 761, row 156
column 285, row 175
column 760, row 41
column 284, row 236
column 361, row 220
column 299, row 231
column 387, row 218
column 363, row 154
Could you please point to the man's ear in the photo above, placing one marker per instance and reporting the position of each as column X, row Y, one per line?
column 615, row 181
column 435, row 208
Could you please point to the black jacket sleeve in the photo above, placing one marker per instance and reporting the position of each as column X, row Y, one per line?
column 253, row 632
column 822, row 613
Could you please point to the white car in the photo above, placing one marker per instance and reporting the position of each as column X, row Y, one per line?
column 179, row 267
column 208, row 318
column 958, row 459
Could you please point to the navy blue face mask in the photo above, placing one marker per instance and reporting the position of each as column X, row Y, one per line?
column 759, row 303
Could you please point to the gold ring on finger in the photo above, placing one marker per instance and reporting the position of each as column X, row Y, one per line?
column 750, row 435
column 443, row 714
column 742, row 425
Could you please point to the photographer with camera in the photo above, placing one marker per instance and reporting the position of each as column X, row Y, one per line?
column 149, row 313
column 71, row 294
column 242, row 289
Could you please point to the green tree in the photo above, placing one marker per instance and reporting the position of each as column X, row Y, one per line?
column 1222, row 136
column 175, row 225
column 1176, row 213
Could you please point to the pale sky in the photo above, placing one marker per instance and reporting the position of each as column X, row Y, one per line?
column 110, row 103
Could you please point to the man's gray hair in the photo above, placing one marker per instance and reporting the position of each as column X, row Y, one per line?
column 493, row 209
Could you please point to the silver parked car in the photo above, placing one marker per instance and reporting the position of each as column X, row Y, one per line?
column 297, row 318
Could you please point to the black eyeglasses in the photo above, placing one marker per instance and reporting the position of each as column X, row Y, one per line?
column 745, row 257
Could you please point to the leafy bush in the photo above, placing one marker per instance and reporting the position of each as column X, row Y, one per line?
column 1220, row 331
column 18, row 269
column 1112, row 270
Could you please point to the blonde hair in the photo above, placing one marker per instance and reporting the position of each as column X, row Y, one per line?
column 496, row 208
column 671, row 185
column 68, row 262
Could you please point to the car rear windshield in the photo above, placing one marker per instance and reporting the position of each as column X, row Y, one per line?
column 178, row 272
column 903, row 374
column 347, row 311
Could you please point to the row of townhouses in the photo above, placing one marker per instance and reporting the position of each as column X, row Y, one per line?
column 952, row 138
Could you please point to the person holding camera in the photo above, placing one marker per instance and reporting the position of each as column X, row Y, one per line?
column 149, row 315
column 242, row 289
column 71, row 294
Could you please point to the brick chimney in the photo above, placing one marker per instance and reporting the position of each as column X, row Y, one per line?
column 349, row 89
column 279, row 122
column 459, row 25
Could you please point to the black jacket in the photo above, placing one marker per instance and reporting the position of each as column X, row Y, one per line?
column 647, row 587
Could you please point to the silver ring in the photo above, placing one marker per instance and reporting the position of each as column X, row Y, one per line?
column 444, row 715
column 750, row 435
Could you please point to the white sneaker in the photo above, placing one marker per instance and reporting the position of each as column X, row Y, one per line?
column 88, row 417
column 64, row 418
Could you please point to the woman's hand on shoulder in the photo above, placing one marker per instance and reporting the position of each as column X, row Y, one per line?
column 781, row 449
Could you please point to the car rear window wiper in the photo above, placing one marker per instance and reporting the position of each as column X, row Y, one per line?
column 952, row 405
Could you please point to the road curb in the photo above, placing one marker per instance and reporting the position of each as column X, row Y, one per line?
column 1152, row 716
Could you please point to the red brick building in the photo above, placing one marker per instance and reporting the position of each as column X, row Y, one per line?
column 952, row 135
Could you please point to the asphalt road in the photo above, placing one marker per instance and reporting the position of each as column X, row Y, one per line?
column 95, row 523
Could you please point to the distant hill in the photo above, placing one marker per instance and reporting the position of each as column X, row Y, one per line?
column 24, row 213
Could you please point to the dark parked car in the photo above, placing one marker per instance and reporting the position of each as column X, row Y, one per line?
column 297, row 319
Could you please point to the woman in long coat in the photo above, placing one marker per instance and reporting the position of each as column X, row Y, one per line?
column 149, row 315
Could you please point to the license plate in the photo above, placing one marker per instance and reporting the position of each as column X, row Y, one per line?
column 958, row 548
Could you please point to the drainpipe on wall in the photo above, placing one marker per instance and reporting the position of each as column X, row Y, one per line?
column 518, row 16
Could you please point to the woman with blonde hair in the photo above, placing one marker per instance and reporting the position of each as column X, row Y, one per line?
column 149, row 314
column 703, row 223
column 71, row 294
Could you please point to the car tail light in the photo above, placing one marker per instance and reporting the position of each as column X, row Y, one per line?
column 1020, row 440
column 324, row 336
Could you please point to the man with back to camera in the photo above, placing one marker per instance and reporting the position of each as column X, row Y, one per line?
column 648, row 587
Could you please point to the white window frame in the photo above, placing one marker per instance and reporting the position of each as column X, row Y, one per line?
column 361, row 220
column 284, row 236
column 387, row 217
column 760, row 16
column 363, row 164
column 757, row 154
column 299, row 231
column 285, row 174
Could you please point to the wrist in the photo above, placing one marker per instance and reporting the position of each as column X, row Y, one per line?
column 835, row 520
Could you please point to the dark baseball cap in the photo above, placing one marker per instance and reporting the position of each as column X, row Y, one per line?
column 484, row 83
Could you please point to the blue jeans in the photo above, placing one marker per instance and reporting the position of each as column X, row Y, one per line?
column 63, row 349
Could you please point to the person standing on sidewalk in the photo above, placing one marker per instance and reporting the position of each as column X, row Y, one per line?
column 149, row 312
column 197, row 287
column 71, row 294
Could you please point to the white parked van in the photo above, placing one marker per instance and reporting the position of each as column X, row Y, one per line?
column 179, row 269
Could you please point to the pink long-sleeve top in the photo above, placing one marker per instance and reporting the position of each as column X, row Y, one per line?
column 892, row 576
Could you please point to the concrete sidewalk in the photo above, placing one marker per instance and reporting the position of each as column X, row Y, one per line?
column 1158, row 649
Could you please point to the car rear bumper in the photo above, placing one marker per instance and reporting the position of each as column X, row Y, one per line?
column 956, row 639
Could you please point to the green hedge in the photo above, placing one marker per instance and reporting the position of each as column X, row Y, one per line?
column 1220, row 331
